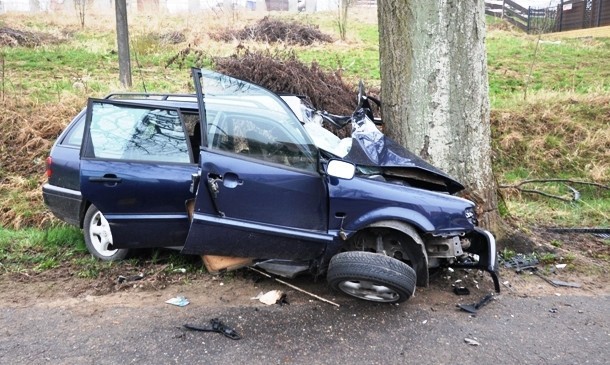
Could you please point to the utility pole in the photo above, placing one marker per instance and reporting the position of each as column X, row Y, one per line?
column 122, row 37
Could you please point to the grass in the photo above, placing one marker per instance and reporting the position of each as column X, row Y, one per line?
column 32, row 251
column 38, row 250
column 578, row 66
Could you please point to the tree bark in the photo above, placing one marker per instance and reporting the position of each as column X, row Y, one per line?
column 435, row 90
column 122, row 35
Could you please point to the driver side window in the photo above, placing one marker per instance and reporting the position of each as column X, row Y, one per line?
column 257, row 138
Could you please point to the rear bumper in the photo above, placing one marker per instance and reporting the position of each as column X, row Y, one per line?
column 64, row 203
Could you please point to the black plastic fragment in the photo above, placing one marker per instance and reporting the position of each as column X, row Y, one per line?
column 461, row 290
column 472, row 308
column 216, row 326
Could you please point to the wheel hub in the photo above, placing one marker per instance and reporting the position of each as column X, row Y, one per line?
column 369, row 290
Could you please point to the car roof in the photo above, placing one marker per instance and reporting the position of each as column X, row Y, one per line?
column 183, row 101
column 189, row 101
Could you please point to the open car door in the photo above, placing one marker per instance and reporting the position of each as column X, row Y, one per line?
column 136, row 169
column 259, row 192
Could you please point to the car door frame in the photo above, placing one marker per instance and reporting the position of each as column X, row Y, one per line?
column 152, row 224
column 213, row 233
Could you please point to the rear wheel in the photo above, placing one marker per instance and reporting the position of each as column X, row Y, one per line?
column 98, row 237
column 371, row 276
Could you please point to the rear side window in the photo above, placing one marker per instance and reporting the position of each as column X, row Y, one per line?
column 75, row 134
column 136, row 133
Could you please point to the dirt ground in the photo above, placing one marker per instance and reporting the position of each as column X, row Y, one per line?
column 237, row 288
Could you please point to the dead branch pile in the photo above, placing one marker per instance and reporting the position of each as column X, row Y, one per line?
column 274, row 31
column 282, row 72
column 13, row 38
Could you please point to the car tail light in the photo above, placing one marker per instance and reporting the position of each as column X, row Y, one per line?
column 49, row 171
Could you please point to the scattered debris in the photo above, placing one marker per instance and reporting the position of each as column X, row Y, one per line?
column 555, row 283
column 126, row 279
column 461, row 290
column 294, row 287
column 473, row 308
column 472, row 342
column 565, row 283
column 521, row 262
column 561, row 266
column 553, row 310
column 270, row 297
column 179, row 301
column 216, row 326
column 507, row 285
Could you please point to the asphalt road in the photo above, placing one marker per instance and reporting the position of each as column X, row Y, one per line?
column 139, row 328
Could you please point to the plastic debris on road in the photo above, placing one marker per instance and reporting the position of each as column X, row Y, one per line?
column 270, row 297
column 472, row 342
column 179, row 301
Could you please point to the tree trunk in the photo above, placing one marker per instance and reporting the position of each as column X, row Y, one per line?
column 435, row 90
column 122, row 35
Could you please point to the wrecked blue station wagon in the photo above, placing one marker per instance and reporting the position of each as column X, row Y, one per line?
column 245, row 177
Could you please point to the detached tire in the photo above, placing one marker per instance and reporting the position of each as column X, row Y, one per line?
column 371, row 276
column 98, row 237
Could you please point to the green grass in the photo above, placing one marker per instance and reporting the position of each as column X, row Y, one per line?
column 574, row 65
column 39, row 250
column 588, row 212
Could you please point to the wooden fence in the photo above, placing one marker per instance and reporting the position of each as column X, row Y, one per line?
column 567, row 15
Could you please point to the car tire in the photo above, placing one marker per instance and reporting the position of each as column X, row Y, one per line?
column 371, row 276
column 98, row 237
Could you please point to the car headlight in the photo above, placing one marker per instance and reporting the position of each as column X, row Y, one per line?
column 471, row 215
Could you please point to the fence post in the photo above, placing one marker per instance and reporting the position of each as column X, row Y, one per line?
column 529, row 17
column 599, row 13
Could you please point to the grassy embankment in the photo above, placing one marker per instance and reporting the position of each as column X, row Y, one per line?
column 560, row 130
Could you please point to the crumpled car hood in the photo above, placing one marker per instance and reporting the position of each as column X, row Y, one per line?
column 376, row 149
column 371, row 148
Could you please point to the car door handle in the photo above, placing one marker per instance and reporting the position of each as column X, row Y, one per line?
column 231, row 180
column 108, row 178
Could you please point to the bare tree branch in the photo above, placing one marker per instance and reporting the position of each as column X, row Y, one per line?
column 570, row 181
column 575, row 193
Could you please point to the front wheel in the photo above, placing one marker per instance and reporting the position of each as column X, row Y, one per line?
column 371, row 276
column 98, row 237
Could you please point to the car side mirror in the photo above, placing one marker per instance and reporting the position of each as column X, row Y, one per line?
column 341, row 169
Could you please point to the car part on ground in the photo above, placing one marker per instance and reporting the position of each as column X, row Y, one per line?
column 473, row 308
column 216, row 326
